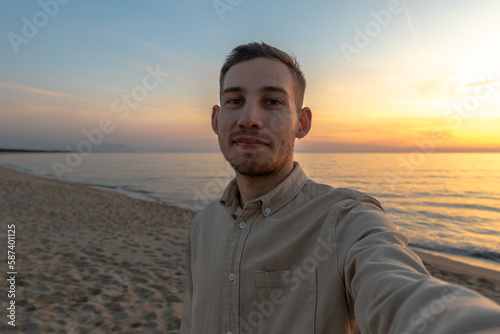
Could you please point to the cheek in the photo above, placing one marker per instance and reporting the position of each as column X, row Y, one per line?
column 226, row 121
column 287, row 138
column 291, row 131
column 224, row 126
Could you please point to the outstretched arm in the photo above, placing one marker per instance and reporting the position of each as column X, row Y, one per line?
column 388, row 286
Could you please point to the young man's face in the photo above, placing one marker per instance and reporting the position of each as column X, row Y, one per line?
column 257, row 121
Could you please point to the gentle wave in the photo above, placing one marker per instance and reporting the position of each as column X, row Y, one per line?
column 133, row 193
column 467, row 194
column 462, row 206
column 479, row 254
column 137, row 194
column 26, row 171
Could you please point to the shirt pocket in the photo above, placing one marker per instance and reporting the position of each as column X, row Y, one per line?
column 286, row 301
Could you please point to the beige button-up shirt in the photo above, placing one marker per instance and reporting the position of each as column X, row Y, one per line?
column 309, row 258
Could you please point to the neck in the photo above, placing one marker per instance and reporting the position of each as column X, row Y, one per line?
column 252, row 187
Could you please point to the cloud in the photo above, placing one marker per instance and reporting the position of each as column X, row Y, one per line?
column 42, row 92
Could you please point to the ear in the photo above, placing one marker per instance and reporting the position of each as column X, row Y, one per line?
column 215, row 119
column 305, row 119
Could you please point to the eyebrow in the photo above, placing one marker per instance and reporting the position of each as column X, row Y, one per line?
column 273, row 89
column 262, row 90
column 233, row 90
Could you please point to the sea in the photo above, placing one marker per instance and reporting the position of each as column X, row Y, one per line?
column 443, row 202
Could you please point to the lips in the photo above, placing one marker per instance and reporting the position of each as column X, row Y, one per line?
column 249, row 143
column 249, row 140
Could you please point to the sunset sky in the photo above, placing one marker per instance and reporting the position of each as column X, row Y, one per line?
column 385, row 76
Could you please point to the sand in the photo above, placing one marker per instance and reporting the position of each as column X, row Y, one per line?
column 88, row 258
column 95, row 261
column 477, row 277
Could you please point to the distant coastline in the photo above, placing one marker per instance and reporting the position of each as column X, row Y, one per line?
column 15, row 150
column 120, row 148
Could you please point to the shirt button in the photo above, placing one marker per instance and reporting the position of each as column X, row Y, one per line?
column 232, row 277
column 243, row 225
column 267, row 210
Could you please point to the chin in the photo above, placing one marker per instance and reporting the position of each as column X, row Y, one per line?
column 255, row 166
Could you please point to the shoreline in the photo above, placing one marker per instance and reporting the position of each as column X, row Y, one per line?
column 459, row 264
column 136, row 194
column 93, row 258
column 461, row 271
column 430, row 255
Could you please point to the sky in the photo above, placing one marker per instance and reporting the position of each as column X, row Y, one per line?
column 382, row 76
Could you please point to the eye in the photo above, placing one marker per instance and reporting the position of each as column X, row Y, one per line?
column 235, row 101
column 274, row 102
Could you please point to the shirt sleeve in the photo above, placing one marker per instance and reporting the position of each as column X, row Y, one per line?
column 389, row 288
column 188, row 291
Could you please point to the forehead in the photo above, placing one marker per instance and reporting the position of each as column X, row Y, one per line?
column 259, row 72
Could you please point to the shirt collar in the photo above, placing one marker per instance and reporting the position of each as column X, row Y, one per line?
column 270, row 202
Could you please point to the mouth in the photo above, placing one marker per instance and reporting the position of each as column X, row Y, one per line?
column 249, row 143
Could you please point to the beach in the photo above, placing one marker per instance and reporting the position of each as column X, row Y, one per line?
column 88, row 259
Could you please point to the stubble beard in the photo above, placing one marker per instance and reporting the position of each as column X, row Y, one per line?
column 250, row 167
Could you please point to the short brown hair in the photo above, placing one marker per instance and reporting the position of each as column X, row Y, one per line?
column 255, row 50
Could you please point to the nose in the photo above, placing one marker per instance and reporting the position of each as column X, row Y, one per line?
column 251, row 116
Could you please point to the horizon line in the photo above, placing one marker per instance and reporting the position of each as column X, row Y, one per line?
column 170, row 150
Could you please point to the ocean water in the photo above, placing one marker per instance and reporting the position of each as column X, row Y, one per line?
column 443, row 202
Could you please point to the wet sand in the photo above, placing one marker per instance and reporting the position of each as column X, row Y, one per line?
column 476, row 277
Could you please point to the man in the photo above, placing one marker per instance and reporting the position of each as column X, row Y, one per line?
column 279, row 253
